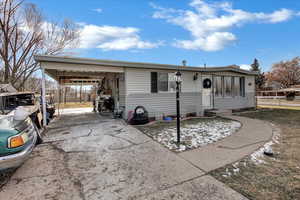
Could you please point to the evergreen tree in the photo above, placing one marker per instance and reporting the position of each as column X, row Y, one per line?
column 260, row 78
column 255, row 66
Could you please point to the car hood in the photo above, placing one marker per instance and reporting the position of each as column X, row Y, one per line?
column 8, row 123
column 8, row 128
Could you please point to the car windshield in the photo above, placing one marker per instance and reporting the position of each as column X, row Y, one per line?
column 13, row 101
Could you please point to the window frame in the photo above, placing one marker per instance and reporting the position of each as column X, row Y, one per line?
column 170, row 82
column 220, row 90
column 237, row 86
column 153, row 82
column 242, row 86
column 159, row 82
column 229, row 79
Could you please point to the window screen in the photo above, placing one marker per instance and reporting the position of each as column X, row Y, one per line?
column 163, row 82
column 218, row 86
column 228, row 88
column 236, row 86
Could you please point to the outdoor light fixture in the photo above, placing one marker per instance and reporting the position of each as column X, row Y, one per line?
column 178, row 81
column 177, row 77
column 195, row 77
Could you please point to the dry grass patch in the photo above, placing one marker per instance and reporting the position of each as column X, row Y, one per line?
column 75, row 105
column 280, row 107
column 279, row 176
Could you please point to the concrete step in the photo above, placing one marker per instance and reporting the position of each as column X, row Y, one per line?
column 219, row 112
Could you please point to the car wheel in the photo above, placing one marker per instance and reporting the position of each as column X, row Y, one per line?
column 39, row 135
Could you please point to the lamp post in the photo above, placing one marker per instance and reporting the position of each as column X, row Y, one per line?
column 178, row 82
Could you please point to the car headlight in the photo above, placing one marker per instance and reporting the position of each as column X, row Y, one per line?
column 20, row 139
column 16, row 141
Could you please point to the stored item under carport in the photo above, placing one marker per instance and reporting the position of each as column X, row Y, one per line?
column 140, row 116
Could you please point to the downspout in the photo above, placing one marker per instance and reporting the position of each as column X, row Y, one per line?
column 124, row 78
column 44, row 98
column 255, row 98
column 213, row 91
column 201, row 86
column 59, row 96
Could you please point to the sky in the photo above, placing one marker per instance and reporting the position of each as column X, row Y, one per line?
column 217, row 33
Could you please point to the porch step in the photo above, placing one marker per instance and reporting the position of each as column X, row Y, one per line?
column 221, row 112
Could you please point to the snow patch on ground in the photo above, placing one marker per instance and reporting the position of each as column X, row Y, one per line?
column 232, row 171
column 196, row 135
column 257, row 156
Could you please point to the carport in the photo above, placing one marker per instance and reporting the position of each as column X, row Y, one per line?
column 77, row 71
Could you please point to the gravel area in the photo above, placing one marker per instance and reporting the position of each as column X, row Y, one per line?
column 194, row 132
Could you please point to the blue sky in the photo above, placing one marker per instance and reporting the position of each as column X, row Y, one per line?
column 218, row 33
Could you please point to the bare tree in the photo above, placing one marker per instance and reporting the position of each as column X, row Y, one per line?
column 286, row 73
column 34, row 82
column 25, row 33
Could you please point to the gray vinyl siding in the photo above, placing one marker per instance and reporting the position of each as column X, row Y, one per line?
column 235, row 102
column 122, row 100
column 137, row 81
column 138, row 93
column 159, row 104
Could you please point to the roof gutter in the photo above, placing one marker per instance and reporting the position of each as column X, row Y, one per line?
column 115, row 63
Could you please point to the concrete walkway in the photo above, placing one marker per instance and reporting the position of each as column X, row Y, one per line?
column 91, row 157
column 252, row 135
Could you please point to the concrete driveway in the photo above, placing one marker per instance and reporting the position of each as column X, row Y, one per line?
column 89, row 157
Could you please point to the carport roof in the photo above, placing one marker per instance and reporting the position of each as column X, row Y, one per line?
column 126, row 64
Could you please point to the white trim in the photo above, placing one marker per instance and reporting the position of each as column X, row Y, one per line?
column 44, row 98
column 116, row 63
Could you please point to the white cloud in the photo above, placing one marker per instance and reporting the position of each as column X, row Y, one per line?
column 277, row 16
column 98, row 10
column 113, row 38
column 209, row 23
column 245, row 66
column 212, row 42
column 127, row 43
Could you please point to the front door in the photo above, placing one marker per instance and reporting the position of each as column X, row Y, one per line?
column 207, row 92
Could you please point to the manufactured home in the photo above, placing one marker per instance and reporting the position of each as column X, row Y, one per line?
column 153, row 86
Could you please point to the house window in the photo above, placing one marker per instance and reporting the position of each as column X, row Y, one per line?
column 236, row 86
column 154, row 82
column 228, row 86
column 172, row 83
column 218, row 86
column 162, row 82
column 242, row 86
